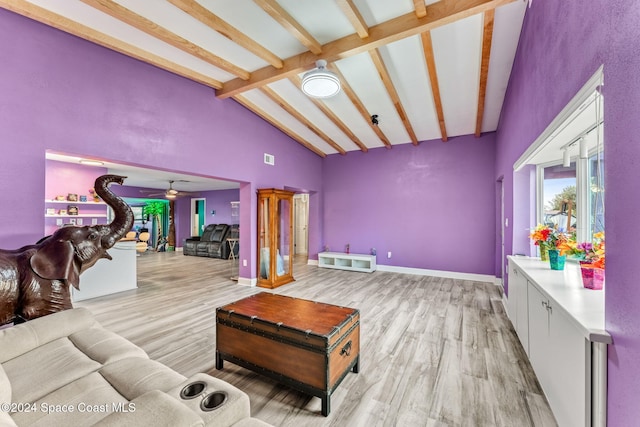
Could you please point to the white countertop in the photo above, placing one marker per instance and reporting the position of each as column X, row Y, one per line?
column 584, row 306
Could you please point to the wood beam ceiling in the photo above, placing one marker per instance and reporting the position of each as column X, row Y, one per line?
column 282, row 16
column 484, row 66
column 353, row 15
column 438, row 14
column 302, row 119
column 420, row 7
column 275, row 122
column 427, row 47
column 204, row 15
column 333, row 117
column 355, row 100
column 393, row 93
column 61, row 23
column 141, row 23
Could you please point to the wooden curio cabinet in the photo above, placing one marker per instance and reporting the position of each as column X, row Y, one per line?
column 275, row 237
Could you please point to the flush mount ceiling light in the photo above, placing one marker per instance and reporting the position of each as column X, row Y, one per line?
column 320, row 83
column 91, row 162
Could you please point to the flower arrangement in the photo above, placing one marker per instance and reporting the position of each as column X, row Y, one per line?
column 550, row 238
column 592, row 252
column 540, row 235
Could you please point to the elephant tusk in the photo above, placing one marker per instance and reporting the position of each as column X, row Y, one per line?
column 106, row 255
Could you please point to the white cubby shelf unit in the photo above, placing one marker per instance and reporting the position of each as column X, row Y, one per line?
column 343, row 261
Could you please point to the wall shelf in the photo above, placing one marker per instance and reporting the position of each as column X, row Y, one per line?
column 350, row 262
column 69, row 202
column 98, row 215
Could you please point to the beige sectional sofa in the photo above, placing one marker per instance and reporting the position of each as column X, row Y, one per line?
column 66, row 370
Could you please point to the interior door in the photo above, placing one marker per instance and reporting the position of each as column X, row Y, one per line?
column 301, row 224
column 198, row 215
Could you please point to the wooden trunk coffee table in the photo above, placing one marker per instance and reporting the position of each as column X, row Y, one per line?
column 307, row 345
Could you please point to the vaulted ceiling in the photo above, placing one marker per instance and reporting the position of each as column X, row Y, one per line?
column 427, row 69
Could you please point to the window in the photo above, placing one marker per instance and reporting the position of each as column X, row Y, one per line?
column 559, row 208
column 575, row 138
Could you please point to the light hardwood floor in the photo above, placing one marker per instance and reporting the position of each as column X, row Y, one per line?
column 434, row 351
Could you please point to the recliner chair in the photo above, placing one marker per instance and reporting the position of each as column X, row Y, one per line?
column 210, row 244
column 191, row 244
column 213, row 248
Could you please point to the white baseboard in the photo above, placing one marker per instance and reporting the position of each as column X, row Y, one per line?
column 438, row 273
column 245, row 281
column 312, row 262
column 179, row 249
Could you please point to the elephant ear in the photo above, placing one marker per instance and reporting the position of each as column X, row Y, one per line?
column 54, row 260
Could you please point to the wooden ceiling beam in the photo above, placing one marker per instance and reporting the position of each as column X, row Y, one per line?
column 62, row 23
column 438, row 14
column 302, row 119
column 484, row 67
column 204, row 15
column 360, row 106
column 393, row 93
column 141, row 23
column 276, row 123
column 278, row 13
column 353, row 15
column 427, row 47
column 333, row 117
column 420, row 7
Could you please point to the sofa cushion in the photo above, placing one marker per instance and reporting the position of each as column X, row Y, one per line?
column 22, row 338
column 82, row 402
column 5, row 387
column 153, row 409
column 235, row 408
column 134, row 376
column 47, row 368
column 104, row 346
column 6, row 420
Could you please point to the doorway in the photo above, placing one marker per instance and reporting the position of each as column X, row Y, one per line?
column 198, row 214
column 301, row 224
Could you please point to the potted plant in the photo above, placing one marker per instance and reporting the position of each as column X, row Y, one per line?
column 540, row 237
column 592, row 262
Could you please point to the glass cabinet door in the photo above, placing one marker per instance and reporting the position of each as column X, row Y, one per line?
column 275, row 246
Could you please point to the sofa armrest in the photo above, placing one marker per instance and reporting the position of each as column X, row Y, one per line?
column 19, row 339
column 153, row 409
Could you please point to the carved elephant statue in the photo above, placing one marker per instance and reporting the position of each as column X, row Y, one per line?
column 35, row 280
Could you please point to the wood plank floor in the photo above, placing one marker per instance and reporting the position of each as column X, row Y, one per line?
column 434, row 351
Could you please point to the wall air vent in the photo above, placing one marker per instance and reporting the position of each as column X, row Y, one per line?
column 269, row 159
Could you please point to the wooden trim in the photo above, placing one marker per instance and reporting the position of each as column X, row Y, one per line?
column 141, row 23
column 438, row 14
column 332, row 116
column 393, row 93
column 62, row 23
column 278, row 124
column 302, row 119
column 204, row 15
column 484, row 66
column 282, row 16
column 427, row 47
column 353, row 15
column 421, row 9
column 360, row 106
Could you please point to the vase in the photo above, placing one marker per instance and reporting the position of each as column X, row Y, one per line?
column 592, row 277
column 556, row 261
column 544, row 253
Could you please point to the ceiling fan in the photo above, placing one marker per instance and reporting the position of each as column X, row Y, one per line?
column 169, row 193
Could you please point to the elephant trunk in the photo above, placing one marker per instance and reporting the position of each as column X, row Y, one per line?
column 123, row 219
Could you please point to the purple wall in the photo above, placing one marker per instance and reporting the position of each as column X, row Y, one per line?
column 219, row 200
column 68, row 95
column 432, row 206
column 562, row 44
